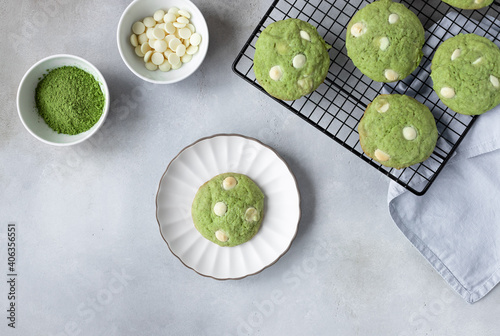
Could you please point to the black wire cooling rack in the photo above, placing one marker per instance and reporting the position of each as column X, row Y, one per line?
column 337, row 106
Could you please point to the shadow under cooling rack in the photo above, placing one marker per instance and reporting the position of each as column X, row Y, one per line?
column 338, row 104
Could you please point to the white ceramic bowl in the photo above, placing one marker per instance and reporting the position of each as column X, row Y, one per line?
column 26, row 106
column 138, row 10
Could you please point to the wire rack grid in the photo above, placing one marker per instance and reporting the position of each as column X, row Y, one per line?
column 336, row 107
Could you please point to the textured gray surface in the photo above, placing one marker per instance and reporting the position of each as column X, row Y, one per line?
column 90, row 256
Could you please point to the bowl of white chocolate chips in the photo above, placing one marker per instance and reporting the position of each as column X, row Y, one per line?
column 162, row 41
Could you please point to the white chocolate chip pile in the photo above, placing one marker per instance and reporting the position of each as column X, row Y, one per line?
column 165, row 40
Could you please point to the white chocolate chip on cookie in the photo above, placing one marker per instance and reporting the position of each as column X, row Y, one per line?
column 220, row 209
column 251, row 215
column 447, row 92
column 305, row 35
column 383, row 106
column 456, row 54
column 229, row 183
column 299, row 61
column 494, row 81
column 391, row 75
column 393, row 18
column 358, row 29
column 409, row 133
column 384, row 43
column 381, row 156
column 221, row 236
column 477, row 61
column 276, row 73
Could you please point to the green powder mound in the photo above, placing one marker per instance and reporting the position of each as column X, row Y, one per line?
column 469, row 4
column 70, row 100
column 277, row 45
column 473, row 74
column 234, row 224
column 383, row 45
column 383, row 131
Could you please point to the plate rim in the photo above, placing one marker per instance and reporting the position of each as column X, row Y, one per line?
column 279, row 157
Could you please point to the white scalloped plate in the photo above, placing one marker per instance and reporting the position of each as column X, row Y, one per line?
column 197, row 164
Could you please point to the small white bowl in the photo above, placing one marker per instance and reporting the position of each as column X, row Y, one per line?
column 137, row 11
column 26, row 106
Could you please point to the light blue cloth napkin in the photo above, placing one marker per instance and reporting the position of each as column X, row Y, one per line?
column 456, row 224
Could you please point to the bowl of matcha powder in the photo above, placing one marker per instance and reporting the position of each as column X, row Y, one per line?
column 62, row 100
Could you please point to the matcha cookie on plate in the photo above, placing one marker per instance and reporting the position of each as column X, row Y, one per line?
column 228, row 209
column 397, row 131
column 469, row 4
column 465, row 72
column 384, row 41
column 291, row 60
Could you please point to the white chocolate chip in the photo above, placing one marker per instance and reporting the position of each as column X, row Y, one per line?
column 174, row 60
column 133, row 40
column 299, row 61
column 184, row 13
column 174, row 43
column 195, row 39
column 305, row 83
column 409, row 133
column 160, row 45
column 391, row 75
column 179, row 25
column 494, row 81
column 149, row 22
column 381, row 156
column 384, row 43
column 151, row 67
column 149, row 33
column 478, row 2
column 191, row 28
column 143, row 38
column 477, row 61
column 186, row 58
column 180, row 50
column 170, row 28
column 145, row 47
column 176, row 66
column 165, row 66
column 275, row 73
column 393, row 18
column 138, row 28
column 358, row 29
column 447, row 92
column 220, row 209
column 152, row 43
column 138, row 51
column 173, row 10
column 169, row 17
column 185, row 33
column 158, row 15
column 383, row 106
column 229, row 183
column 182, row 19
column 305, row 35
column 456, row 54
column 251, row 215
column 159, row 33
column 191, row 50
column 157, row 58
column 221, row 236
column 147, row 56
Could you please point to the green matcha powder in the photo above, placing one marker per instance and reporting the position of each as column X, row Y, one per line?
column 69, row 99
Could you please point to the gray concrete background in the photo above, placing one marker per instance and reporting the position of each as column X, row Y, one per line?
column 91, row 260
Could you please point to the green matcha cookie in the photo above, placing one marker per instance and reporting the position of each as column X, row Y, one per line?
column 228, row 209
column 466, row 73
column 291, row 59
column 469, row 4
column 384, row 41
column 397, row 131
